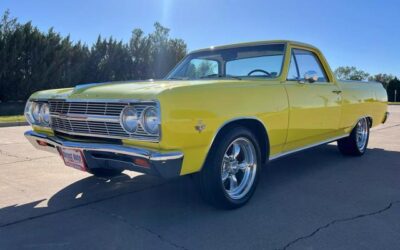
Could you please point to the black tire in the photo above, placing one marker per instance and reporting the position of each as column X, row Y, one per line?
column 212, row 187
column 349, row 146
column 104, row 172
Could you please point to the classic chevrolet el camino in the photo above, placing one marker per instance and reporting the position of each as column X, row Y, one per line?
column 221, row 114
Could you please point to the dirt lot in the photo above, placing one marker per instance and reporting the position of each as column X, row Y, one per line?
column 316, row 199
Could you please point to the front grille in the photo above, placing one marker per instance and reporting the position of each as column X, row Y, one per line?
column 89, row 127
column 86, row 108
column 62, row 113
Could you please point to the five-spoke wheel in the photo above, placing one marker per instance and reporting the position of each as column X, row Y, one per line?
column 230, row 174
column 356, row 143
column 239, row 168
column 362, row 130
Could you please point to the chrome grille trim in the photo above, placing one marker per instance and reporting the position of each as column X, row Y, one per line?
column 93, row 118
column 97, row 118
column 87, row 108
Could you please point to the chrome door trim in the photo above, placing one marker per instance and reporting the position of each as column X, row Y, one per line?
column 274, row 157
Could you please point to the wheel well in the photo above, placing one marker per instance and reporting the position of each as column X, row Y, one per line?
column 369, row 119
column 256, row 127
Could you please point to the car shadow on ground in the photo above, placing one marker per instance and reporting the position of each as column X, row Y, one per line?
column 83, row 192
column 298, row 191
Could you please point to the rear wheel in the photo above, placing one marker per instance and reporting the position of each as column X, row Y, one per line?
column 232, row 169
column 356, row 144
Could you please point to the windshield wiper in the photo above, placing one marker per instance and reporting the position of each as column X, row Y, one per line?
column 234, row 77
column 177, row 78
column 220, row 76
column 210, row 76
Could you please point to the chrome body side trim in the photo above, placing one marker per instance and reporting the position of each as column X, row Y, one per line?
column 274, row 157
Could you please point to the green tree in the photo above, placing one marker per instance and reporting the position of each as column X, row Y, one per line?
column 393, row 90
column 350, row 73
column 139, row 51
column 382, row 78
column 109, row 60
column 154, row 55
column 165, row 52
column 32, row 60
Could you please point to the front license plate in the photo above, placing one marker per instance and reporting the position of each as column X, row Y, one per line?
column 73, row 158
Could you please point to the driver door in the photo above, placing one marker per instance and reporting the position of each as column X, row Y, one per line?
column 314, row 108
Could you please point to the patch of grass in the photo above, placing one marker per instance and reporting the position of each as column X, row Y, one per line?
column 12, row 118
column 394, row 103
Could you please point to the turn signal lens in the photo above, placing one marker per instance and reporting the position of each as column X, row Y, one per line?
column 142, row 162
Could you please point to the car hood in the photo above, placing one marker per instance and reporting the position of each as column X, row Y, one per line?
column 146, row 90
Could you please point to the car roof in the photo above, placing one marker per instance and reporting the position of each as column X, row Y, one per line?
column 246, row 44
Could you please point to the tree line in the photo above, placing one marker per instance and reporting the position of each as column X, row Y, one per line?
column 32, row 60
column 390, row 83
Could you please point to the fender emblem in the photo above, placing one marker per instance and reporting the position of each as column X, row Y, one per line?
column 200, row 126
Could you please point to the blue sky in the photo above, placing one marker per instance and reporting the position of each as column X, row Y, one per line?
column 357, row 33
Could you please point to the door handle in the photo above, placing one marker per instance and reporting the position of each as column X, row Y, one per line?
column 336, row 91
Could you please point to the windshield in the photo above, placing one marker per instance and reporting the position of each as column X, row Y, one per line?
column 262, row 61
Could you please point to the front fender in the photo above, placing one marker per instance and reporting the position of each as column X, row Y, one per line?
column 184, row 110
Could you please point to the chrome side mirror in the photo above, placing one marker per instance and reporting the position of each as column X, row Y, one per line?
column 311, row 76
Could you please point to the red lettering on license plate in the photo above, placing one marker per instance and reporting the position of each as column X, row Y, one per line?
column 73, row 158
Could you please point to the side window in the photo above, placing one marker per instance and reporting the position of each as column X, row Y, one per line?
column 307, row 61
column 293, row 74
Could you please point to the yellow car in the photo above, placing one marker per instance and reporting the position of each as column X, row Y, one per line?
column 221, row 114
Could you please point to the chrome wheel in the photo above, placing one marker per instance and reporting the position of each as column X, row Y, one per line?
column 239, row 166
column 362, row 133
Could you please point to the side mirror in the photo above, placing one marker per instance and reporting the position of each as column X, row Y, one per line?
column 311, row 76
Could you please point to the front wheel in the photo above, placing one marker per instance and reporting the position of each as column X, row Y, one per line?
column 356, row 144
column 232, row 169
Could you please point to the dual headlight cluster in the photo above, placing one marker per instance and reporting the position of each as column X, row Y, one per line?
column 38, row 113
column 149, row 120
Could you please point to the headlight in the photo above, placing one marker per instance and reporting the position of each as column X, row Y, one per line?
column 45, row 114
column 35, row 111
column 129, row 119
column 28, row 113
column 151, row 120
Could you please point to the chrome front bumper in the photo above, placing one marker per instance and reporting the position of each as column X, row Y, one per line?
column 102, row 155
